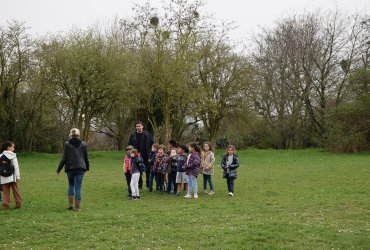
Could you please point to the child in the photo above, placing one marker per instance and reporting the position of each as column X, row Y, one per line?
column 182, row 151
column 127, row 168
column 230, row 163
column 172, row 170
column 153, row 172
column 161, row 164
column 136, row 167
column 208, row 161
column 192, row 168
column 10, row 175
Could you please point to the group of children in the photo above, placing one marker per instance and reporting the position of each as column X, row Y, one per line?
column 178, row 168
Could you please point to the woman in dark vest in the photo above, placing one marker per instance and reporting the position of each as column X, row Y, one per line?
column 75, row 162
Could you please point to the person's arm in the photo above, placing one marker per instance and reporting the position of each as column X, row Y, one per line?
column 16, row 169
column 86, row 158
column 223, row 162
column 63, row 160
column 235, row 164
column 211, row 161
column 131, row 140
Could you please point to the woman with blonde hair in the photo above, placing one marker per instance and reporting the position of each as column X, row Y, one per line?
column 75, row 162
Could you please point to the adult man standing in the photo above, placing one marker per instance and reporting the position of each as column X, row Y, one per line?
column 142, row 140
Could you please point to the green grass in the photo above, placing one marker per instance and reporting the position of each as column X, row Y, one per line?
column 304, row 199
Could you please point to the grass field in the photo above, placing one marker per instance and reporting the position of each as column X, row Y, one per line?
column 304, row 199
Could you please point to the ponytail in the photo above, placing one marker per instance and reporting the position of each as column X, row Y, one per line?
column 5, row 146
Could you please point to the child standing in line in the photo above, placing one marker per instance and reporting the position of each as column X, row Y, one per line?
column 136, row 166
column 172, row 170
column 192, row 168
column 161, row 164
column 208, row 161
column 230, row 163
column 182, row 151
column 153, row 172
column 127, row 168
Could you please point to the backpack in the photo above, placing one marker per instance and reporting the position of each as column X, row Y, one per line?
column 6, row 167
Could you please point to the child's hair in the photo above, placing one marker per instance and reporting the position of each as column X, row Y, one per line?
column 230, row 147
column 5, row 146
column 134, row 151
column 162, row 147
column 209, row 145
column 172, row 142
column 174, row 149
column 156, row 146
column 184, row 148
column 196, row 147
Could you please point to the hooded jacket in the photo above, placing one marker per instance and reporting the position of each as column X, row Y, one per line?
column 192, row 166
column 13, row 160
column 208, row 161
column 74, row 156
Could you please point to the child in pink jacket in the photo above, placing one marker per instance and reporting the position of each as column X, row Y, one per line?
column 127, row 170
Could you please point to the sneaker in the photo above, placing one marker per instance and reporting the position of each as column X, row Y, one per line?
column 231, row 194
column 77, row 209
column 205, row 191
column 188, row 196
column 212, row 192
column 177, row 194
column 195, row 196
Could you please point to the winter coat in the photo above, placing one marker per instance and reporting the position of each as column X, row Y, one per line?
column 161, row 163
column 146, row 148
column 136, row 164
column 74, row 156
column 193, row 164
column 13, row 160
column 151, row 161
column 230, row 170
column 181, row 160
column 127, row 164
column 172, row 164
column 208, row 161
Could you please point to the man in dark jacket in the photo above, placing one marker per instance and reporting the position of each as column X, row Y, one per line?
column 142, row 140
column 75, row 162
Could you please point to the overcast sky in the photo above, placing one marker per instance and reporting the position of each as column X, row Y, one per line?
column 45, row 16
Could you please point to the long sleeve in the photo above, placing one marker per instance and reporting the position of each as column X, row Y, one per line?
column 16, row 169
column 63, row 160
column 211, row 160
column 86, row 158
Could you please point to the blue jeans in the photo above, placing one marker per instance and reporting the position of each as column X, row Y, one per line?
column 207, row 178
column 192, row 184
column 75, row 183
column 230, row 184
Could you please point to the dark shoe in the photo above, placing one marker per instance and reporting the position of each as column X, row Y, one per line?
column 70, row 207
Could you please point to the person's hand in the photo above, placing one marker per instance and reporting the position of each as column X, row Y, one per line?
column 18, row 180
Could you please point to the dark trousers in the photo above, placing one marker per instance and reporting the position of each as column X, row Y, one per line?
column 207, row 178
column 147, row 176
column 153, row 176
column 230, row 184
column 128, row 181
column 160, row 178
column 172, row 181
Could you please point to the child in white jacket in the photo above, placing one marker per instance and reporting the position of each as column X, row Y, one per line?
column 9, row 180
